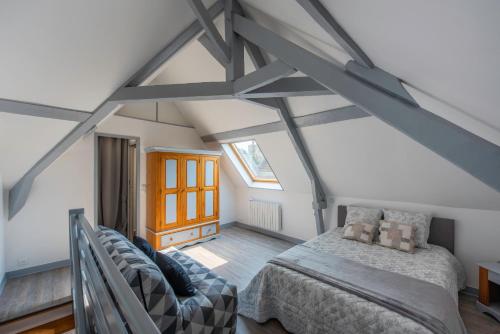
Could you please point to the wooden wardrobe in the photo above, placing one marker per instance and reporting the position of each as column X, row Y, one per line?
column 182, row 196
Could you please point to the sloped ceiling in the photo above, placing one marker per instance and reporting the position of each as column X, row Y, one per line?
column 75, row 54
column 362, row 158
column 24, row 140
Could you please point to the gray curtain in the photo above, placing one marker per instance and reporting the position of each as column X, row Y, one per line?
column 113, row 167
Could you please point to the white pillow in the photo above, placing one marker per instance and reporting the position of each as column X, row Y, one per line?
column 359, row 214
column 422, row 221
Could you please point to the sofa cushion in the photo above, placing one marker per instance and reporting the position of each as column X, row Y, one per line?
column 145, row 279
column 212, row 292
column 145, row 247
column 175, row 274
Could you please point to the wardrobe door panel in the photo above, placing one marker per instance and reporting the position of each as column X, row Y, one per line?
column 210, row 189
column 190, row 183
column 170, row 191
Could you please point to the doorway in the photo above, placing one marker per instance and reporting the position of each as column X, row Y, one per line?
column 117, row 183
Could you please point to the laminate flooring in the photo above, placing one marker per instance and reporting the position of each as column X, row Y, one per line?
column 238, row 254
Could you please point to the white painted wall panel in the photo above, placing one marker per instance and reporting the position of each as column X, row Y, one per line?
column 3, row 218
column 68, row 183
column 24, row 140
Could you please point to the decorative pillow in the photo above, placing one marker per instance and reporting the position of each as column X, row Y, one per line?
column 175, row 275
column 145, row 247
column 397, row 235
column 145, row 279
column 421, row 221
column 358, row 214
column 360, row 232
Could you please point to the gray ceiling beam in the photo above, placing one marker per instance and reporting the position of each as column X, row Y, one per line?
column 40, row 110
column 173, row 47
column 288, row 87
column 321, row 15
column 323, row 117
column 207, row 23
column 19, row 193
column 219, row 90
column 175, row 92
column 473, row 154
column 267, row 103
column 210, row 47
column 319, row 197
column 361, row 66
column 381, row 79
column 236, row 67
column 262, row 77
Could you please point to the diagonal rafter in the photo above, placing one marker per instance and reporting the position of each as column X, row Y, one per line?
column 262, row 77
column 206, row 22
column 20, row 192
column 473, row 154
column 319, row 196
column 321, row 15
column 210, row 47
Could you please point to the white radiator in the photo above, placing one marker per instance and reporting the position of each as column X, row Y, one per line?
column 266, row 215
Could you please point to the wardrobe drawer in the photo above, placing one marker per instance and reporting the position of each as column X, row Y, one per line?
column 179, row 237
column 208, row 230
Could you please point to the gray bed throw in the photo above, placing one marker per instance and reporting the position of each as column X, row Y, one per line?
column 427, row 304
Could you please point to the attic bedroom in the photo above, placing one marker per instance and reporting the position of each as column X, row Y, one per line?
column 250, row 166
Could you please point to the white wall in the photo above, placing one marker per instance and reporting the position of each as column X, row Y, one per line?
column 2, row 236
column 38, row 234
column 366, row 161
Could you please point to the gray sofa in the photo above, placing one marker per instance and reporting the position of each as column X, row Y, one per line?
column 213, row 308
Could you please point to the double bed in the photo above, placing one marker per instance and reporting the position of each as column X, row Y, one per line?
column 310, row 303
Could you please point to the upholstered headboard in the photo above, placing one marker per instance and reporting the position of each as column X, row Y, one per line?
column 442, row 230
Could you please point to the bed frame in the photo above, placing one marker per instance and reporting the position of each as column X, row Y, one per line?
column 103, row 301
column 442, row 231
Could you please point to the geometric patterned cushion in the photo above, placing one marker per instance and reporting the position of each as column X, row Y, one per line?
column 213, row 308
column 145, row 279
column 360, row 232
column 421, row 221
column 398, row 236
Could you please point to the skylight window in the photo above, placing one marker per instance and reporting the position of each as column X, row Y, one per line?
column 255, row 164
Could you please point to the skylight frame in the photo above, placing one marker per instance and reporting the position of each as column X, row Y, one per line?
column 248, row 170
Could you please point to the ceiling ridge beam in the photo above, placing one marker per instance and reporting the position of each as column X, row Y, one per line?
column 473, row 154
column 319, row 118
column 207, row 23
column 323, row 17
column 19, row 193
column 42, row 110
column 262, row 77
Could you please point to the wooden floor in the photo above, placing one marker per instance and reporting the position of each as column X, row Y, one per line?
column 237, row 255
column 35, row 292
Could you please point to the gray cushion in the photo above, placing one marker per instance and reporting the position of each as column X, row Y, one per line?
column 359, row 214
column 422, row 222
